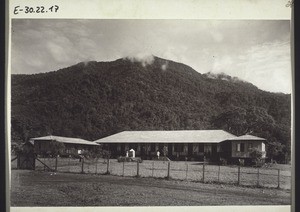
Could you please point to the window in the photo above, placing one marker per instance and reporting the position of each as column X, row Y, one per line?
column 201, row 148
column 175, row 147
column 263, row 147
column 242, row 147
column 160, row 146
column 135, row 146
column 153, row 148
column 178, row 148
column 119, row 147
column 250, row 146
column 238, row 147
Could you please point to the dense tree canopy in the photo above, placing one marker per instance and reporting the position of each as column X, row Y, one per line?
column 96, row 99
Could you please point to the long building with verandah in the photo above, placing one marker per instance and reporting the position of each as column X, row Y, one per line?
column 184, row 144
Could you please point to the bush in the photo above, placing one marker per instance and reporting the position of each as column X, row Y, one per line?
column 256, row 156
column 223, row 162
column 129, row 159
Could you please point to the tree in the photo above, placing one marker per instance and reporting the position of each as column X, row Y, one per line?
column 256, row 156
column 165, row 150
column 24, row 148
column 56, row 148
column 275, row 150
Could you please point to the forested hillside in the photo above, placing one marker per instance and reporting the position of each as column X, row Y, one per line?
column 96, row 99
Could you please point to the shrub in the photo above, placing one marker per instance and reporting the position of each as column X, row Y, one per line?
column 256, row 156
column 223, row 162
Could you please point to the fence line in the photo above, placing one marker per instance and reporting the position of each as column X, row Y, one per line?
column 199, row 172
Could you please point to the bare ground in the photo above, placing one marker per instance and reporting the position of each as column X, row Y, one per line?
column 33, row 188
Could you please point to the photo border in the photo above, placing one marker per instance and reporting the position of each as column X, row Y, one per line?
column 143, row 9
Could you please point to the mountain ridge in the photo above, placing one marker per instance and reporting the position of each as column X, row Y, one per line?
column 93, row 99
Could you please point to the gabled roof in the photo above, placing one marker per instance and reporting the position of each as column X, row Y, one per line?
column 248, row 137
column 62, row 140
column 175, row 136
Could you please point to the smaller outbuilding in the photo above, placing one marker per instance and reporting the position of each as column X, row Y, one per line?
column 72, row 146
column 240, row 147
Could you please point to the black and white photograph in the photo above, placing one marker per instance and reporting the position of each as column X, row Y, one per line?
column 150, row 112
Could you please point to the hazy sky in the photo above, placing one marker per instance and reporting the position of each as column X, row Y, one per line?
column 256, row 51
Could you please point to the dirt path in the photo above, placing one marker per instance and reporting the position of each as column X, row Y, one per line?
column 31, row 188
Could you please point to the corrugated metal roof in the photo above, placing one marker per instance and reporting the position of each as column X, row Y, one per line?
column 248, row 137
column 175, row 136
column 63, row 140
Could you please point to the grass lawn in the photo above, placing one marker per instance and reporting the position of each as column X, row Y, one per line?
column 36, row 188
column 180, row 170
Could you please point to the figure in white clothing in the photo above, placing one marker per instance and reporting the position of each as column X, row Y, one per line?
column 158, row 153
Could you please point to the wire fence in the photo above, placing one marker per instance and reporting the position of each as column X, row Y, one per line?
column 179, row 170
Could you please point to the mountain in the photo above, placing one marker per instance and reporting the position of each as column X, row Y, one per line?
column 93, row 99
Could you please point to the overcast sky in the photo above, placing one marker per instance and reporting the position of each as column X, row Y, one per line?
column 256, row 51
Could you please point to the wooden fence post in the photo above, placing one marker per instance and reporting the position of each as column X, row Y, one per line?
column 203, row 174
column 278, row 186
column 239, row 173
column 152, row 168
column 96, row 169
column 137, row 169
column 168, row 176
column 82, row 165
column 69, row 163
column 257, row 184
column 186, row 171
column 56, row 163
column 107, row 170
column 44, row 163
column 18, row 162
column 123, row 173
column 219, row 174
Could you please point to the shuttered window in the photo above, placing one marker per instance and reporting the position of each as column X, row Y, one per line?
column 242, row 147
column 153, row 148
column 250, row 146
column 238, row 147
column 178, row 148
column 201, row 147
